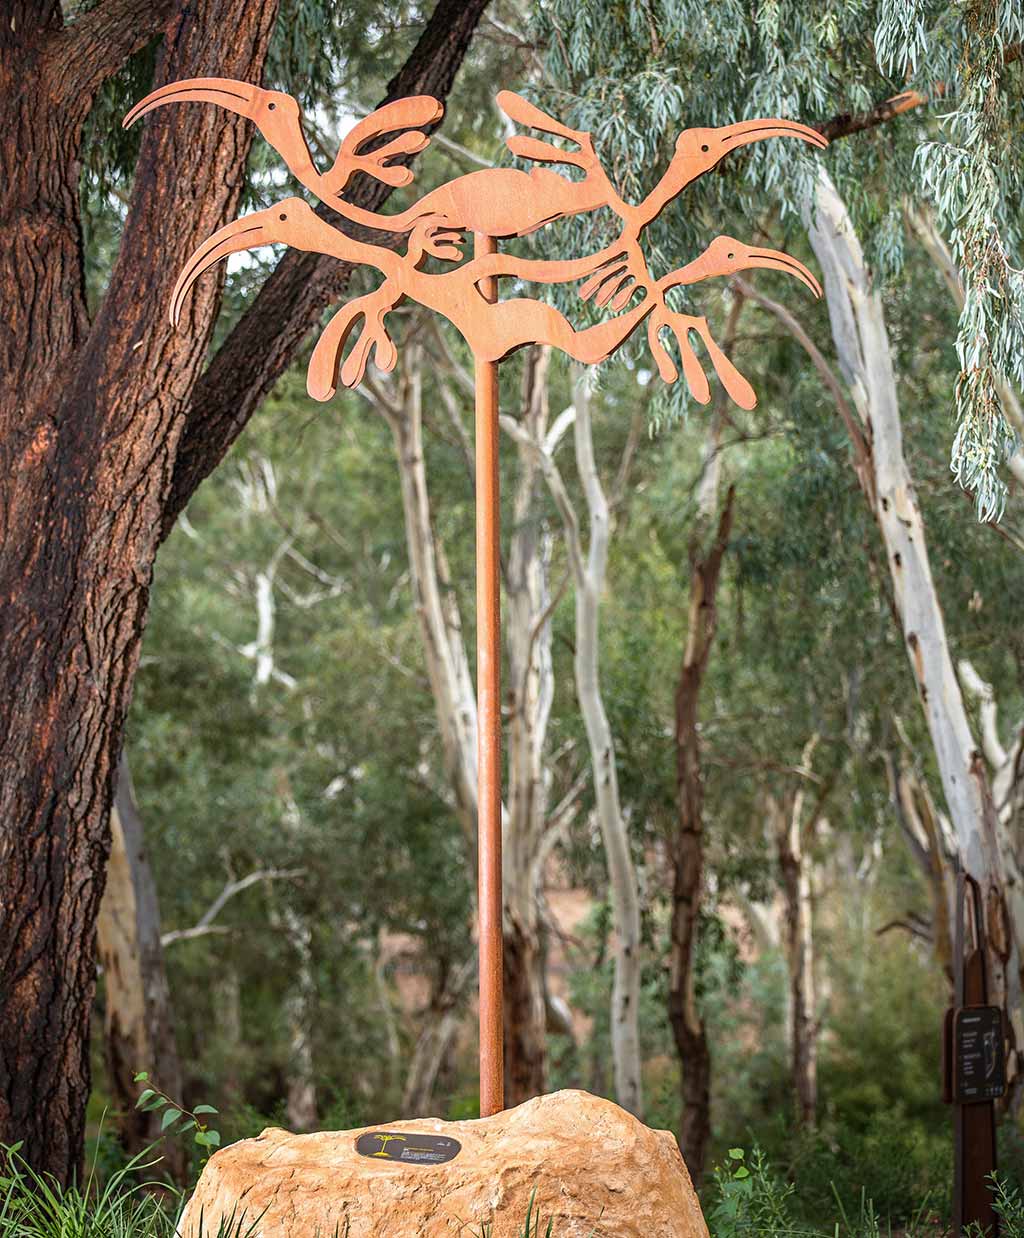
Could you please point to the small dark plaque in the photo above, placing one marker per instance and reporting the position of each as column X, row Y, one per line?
column 978, row 1062
column 409, row 1149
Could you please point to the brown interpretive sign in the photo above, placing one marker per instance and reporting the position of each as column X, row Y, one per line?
column 410, row 1149
column 979, row 1064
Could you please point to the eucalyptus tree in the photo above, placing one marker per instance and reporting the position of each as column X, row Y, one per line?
column 110, row 422
column 587, row 555
column 927, row 99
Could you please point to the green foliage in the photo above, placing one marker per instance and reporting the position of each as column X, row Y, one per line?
column 894, row 1162
column 747, row 1198
column 32, row 1206
column 1009, row 1203
column 175, row 1119
column 978, row 192
column 636, row 74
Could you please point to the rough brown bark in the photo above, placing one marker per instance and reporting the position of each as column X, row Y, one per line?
column 137, row 1015
column 89, row 427
column 688, row 849
column 90, row 422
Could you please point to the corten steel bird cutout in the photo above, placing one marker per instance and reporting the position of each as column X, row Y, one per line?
column 493, row 203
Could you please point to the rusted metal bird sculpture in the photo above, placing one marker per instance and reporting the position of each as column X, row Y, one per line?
column 493, row 203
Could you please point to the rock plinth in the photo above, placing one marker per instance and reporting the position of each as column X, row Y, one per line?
column 596, row 1170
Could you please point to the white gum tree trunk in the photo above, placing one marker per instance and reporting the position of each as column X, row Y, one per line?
column 528, row 826
column 301, row 999
column 529, row 692
column 862, row 344
column 625, row 897
column 795, row 867
column 444, row 645
column 589, row 572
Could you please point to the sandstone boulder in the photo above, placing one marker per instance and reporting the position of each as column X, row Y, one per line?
column 595, row 1168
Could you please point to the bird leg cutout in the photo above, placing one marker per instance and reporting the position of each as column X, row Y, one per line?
column 681, row 325
column 322, row 375
column 613, row 269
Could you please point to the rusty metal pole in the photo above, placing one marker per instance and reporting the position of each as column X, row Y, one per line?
column 488, row 696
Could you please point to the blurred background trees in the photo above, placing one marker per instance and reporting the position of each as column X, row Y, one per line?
column 719, row 604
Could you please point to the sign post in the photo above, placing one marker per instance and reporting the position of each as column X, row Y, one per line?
column 492, row 204
column 488, row 697
column 974, row 1071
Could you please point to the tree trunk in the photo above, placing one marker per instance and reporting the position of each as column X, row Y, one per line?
column 530, row 693
column 138, row 1020
column 798, row 937
column 589, row 570
column 230, row 1033
column 436, row 1040
column 688, row 845
column 927, row 834
column 862, row 343
column 1006, row 762
column 623, row 887
column 300, row 1012
column 89, row 429
column 525, row 1014
column 90, row 423
column 437, row 610
column 707, row 552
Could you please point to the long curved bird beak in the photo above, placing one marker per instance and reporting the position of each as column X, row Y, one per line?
column 744, row 132
column 238, row 97
column 249, row 232
column 773, row 260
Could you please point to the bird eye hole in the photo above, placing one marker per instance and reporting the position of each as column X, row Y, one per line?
column 704, row 148
column 284, row 216
column 730, row 256
column 271, row 106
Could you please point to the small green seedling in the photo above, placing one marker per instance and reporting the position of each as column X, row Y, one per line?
column 177, row 1120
